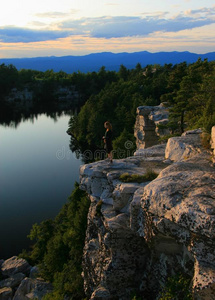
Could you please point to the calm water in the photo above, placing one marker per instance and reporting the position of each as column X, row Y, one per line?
column 37, row 174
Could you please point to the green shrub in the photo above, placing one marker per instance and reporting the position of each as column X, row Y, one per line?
column 149, row 176
column 124, row 145
column 58, row 247
column 177, row 288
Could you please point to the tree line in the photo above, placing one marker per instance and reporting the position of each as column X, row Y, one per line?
column 43, row 84
column 109, row 95
column 47, row 88
column 188, row 89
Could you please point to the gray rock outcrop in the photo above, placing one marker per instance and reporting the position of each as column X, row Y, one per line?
column 185, row 146
column 32, row 289
column 12, row 281
column 213, row 139
column 15, row 284
column 140, row 234
column 149, row 125
column 15, row 265
column 6, row 293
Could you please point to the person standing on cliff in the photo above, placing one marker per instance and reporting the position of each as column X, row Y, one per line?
column 107, row 138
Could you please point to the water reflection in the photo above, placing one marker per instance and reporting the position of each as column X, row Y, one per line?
column 34, row 181
column 12, row 118
column 85, row 153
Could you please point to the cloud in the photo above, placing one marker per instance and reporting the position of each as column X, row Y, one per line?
column 37, row 24
column 199, row 40
column 12, row 34
column 115, row 27
column 51, row 15
column 112, row 4
column 158, row 14
column 111, row 27
column 56, row 14
column 205, row 11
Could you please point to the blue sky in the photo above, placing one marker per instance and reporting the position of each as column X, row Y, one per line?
column 65, row 27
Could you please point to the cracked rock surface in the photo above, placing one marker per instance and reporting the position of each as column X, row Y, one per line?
column 140, row 234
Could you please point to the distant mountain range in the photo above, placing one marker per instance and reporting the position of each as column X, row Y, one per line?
column 111, row 61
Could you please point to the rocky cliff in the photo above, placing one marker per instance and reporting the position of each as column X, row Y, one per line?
column 150, row 125
column 142, row 233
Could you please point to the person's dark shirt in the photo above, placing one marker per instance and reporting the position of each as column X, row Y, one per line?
column 108, row 135
column 108, row 139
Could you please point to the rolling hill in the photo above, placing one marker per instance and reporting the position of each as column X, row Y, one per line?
column 111, row 61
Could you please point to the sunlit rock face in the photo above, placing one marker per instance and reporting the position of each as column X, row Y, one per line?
column 149, row 125
column 14, row 265
column 184, row 147
column 114, row 255
column 213, row 140
column 140, row 234
column 180, row 204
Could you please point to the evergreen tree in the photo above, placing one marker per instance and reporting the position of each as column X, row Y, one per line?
column 58, row 247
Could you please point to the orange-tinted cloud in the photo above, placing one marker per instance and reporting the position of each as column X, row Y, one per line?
column 195, row 40
column 110, row 27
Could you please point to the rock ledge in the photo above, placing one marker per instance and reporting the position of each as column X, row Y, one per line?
column 139, row 234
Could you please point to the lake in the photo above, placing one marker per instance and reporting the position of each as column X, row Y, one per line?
column 37, row 174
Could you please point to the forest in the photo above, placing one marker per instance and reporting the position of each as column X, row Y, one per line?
column 187, row 89
column 47, row 90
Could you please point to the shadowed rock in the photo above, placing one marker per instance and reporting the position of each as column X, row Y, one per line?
column 15, row 265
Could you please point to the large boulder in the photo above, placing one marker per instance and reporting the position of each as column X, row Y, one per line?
column 6, row 293
column 34, row 272
column 15, row 265
column 32, row 289
column 16, row 286
column 183, row 147
column 12, row 281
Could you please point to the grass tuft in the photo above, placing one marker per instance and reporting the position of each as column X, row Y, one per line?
column 149, row 176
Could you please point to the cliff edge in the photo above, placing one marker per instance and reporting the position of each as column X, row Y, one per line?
column 140, row 234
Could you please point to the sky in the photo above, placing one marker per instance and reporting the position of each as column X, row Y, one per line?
column 67, row 27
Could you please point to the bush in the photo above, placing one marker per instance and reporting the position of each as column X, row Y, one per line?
column 124, row 145
column 177, row 288
column 58, row 247
column 149, row 176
